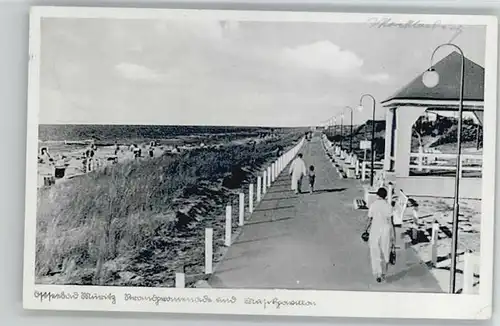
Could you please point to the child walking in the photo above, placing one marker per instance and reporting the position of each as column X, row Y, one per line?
column 312, row 177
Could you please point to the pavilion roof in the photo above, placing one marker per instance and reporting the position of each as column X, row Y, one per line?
column 449, row 78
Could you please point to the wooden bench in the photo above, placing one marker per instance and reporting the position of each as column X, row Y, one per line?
column 49, row 180
column 359, row 203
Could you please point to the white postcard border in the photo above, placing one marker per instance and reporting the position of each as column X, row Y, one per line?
column 263, row 302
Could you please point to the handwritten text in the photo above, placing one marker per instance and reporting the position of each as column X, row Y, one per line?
column 388, row 23
column 53, row 296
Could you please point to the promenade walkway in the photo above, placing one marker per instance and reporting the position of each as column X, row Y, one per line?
column 312, row 241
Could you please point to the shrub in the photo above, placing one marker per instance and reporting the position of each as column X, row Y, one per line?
column 102, row 215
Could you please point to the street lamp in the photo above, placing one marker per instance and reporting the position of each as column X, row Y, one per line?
column 373, row 132
column 430, row 79
column 334, row 127
column 341, row 129
column 350, row 141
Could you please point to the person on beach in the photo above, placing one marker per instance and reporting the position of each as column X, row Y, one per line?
column 45, row 155
column 312, row 177
column 136, row 150
column 279, row 151
column 89, row 158
column 381, row 234
column 297, row 171
column 151, row 150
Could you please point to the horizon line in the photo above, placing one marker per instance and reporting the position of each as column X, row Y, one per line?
column 319, row 124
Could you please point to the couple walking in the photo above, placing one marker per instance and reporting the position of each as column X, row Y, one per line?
column 297, row 172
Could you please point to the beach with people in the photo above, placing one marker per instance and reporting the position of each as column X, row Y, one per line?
column 134, row 221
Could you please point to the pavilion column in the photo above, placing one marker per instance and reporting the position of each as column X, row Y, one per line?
column 388, row 137
column 405, row 118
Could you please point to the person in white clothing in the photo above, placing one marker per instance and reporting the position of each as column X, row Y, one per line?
column 297, row 171
column 381, row 234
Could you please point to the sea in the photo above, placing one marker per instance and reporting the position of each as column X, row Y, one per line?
column 112, row 133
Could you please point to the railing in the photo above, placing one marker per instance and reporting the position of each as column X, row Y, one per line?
column 445, row 162
column 244, row 208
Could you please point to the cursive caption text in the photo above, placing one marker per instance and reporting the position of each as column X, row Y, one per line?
column 415, row 24
column 275, row 303
column 83, row 296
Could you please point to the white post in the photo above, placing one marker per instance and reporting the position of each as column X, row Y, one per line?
column 389, row 195
column 250, row 198
column 229, row 230
column 264, row 183
column 259, row 188
column 180, row 280
column 356, row 166
column 469, row 264
column 363, row 171
column 209, row 255
column 273, row 172
column 269, row 176
column 434, row 238
column 241, row 211
column 420, row 158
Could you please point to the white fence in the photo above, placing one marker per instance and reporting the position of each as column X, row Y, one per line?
column 445, row 162
column 256, row 193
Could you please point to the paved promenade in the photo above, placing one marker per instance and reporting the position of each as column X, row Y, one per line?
column 312, row 241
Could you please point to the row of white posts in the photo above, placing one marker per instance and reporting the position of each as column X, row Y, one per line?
column 350, row 158
column 470, row 262
column 264, row 181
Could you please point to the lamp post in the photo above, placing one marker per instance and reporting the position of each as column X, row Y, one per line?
column 341, row 129
column 372, row 145
column 350, row 140
column 430, row 79
column 334, row 127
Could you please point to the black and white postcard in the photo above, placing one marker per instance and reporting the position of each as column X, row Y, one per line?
column 260, row 163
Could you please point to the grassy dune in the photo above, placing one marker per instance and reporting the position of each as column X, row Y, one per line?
column 135, row 223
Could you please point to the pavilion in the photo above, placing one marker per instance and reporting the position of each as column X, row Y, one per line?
column 412, row 101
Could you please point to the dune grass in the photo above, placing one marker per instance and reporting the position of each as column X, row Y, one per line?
column 105, row 215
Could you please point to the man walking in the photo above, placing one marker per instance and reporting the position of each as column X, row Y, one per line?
column 297, row 171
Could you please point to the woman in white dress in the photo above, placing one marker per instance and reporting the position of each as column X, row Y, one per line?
column 297, row 171
column 381, row 234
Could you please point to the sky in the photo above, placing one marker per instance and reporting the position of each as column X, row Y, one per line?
column 209, row 72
